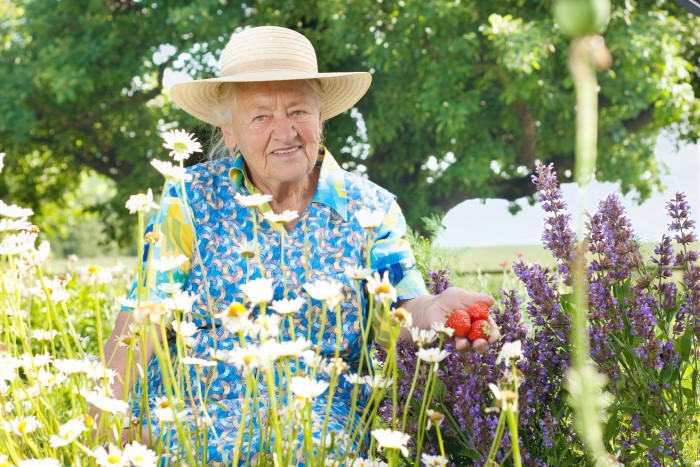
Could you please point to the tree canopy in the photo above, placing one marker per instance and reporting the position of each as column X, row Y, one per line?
column 466, row 95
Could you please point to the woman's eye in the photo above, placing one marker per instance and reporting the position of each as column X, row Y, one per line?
column 259, row 118
column 297, row 113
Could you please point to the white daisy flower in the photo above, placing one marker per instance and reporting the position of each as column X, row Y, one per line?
column 169, row 288
column 36, row 361
column 164, row 403
column 71, row 366
column 246, row 249
column 99, row 373
column 127, row 302
column 381, row 287
column 434, row 418
column 356, row 273
column 246, row 357
column 181, row 301
column 171, row 171
column 282, row 218
column 440, row 328
column 114, row 457
column 265, row 326
column 2, row 160
column 369, row 219
column 184, row 328
column 499, row 399
column 44, row 335
column 48, row 379
column 67, row 433
column 21, row 425
column 168, row 262
column 140, row 456
column 286, row 349
column 95, row 275
column 14, row 211
column 55, row 287
column 150, row 311
column 306, row 388
column 36, row 256
column 169, row 415
column 354, row 378
column 197, row 361
column 287, row 306
column 433, row 461
column 360, row 462
column 312, row 360
column 181, row 144
column 141, row 203
column 336, row 366
column 11, row 225
column 108, row 404
column 433, row 355
column 18, row 243
column 510, row 351
column 258, row 290
column 423, row 337
column 376, row 382
column 391, row 439
column 253, row 201
column 330, row 292
column 220, row 355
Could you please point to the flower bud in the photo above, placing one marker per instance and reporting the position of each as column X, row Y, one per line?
column 577, row 18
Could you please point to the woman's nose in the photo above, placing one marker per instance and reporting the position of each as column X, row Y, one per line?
column 284, row 129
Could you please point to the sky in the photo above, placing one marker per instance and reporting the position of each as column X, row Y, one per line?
column 497, row 227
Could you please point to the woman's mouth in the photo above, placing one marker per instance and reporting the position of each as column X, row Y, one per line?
column 286, row 151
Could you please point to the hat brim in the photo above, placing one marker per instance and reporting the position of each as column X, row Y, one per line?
column 341, row 91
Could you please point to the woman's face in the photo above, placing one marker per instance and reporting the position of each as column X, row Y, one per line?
column 277, row 127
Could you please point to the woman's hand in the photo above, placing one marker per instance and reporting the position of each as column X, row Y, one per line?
column 428, row 309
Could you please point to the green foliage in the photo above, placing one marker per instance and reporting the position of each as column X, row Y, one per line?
column 466, row 95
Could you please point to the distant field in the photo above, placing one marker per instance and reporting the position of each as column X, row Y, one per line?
column 491, row 259
column 60, row 265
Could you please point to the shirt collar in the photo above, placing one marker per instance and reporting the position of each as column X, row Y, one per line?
column 330, row 190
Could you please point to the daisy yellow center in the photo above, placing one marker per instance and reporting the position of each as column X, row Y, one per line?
column 127, row 340
column 383, row 288
column 113, row 459
column 236, row 310
column 89, row 421
column 180, row 147
column 22, row 427
column 94, row 269
column 248, row 359
column 164, row 404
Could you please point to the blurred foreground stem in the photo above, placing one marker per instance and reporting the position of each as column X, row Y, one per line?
column 585, row 384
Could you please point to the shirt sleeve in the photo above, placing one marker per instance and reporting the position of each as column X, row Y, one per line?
column 391, row 253
column 172, row 229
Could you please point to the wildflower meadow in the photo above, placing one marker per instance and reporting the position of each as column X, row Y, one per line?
column 598, row 363
column 422, row 402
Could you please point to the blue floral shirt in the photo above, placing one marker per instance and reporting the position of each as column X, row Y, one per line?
column 201, row 220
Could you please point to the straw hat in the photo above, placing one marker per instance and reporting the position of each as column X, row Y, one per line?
column 270, row 53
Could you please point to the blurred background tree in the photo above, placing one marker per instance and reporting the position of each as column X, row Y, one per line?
column 466, row 95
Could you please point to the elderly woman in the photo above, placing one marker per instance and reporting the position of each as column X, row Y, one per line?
column 269, row 103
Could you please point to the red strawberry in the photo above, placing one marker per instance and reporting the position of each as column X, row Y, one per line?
column 480, row 310
column 460, row 321
column 481, row 329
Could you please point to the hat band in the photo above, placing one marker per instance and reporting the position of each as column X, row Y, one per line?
column 256, row 66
